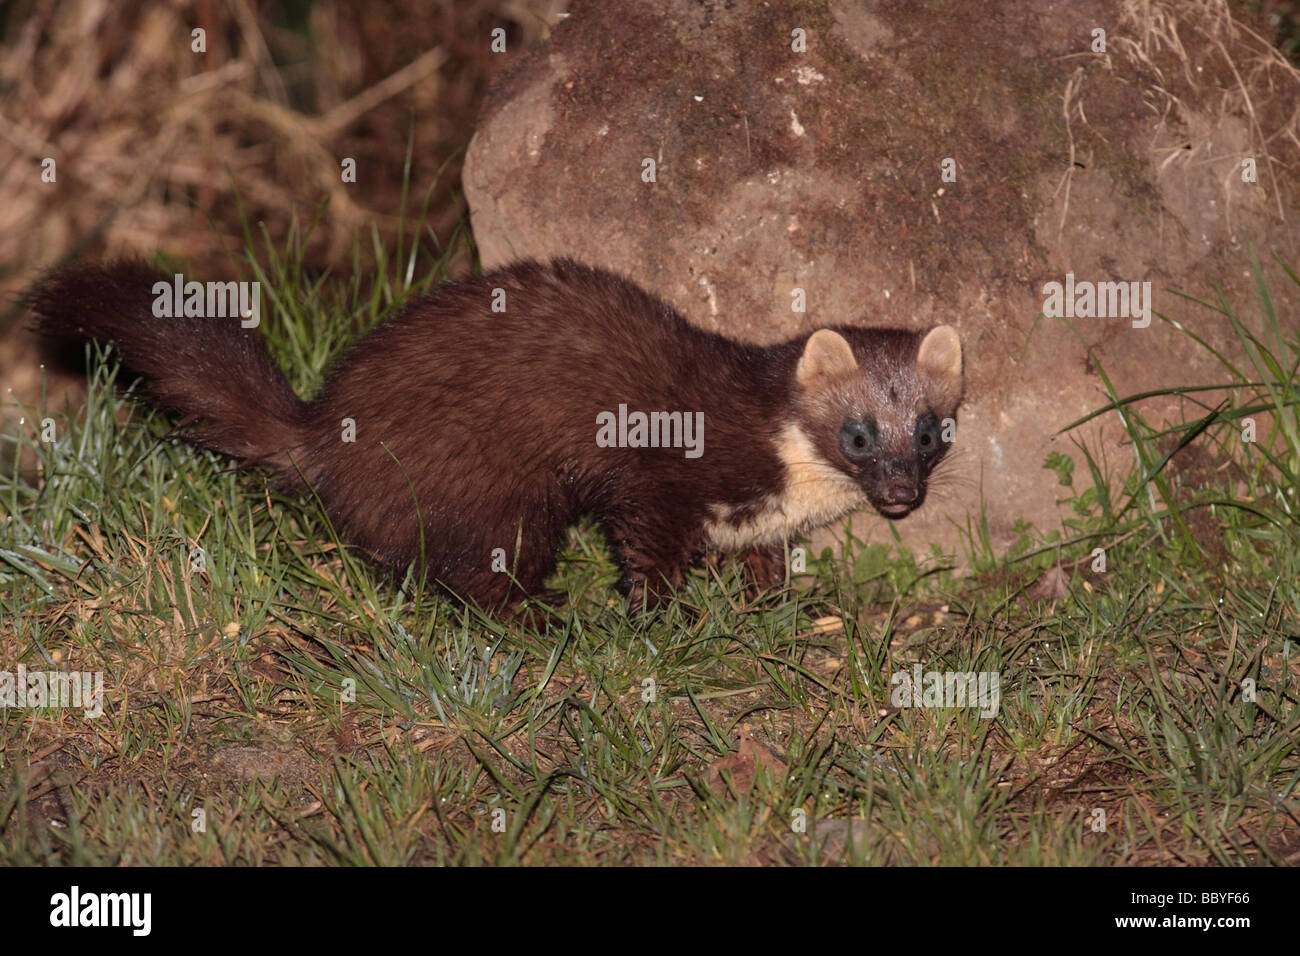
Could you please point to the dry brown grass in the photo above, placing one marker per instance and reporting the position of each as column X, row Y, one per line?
column 1254, row 79
column 156, row 146
column 154, row 142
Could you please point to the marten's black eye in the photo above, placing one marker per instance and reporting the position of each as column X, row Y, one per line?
column 857, row 438
column 927, row 438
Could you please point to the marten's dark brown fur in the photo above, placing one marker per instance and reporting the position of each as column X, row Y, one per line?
column 480, row 426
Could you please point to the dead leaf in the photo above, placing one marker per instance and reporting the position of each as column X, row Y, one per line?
column 741, row 767
column 1053, row 585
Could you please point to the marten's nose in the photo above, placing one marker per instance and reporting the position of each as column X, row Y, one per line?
column 898, row 498
column 901, row 493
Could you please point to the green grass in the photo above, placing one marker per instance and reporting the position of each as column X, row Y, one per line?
column 316, row 714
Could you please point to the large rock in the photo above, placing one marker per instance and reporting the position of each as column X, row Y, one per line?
column 822, row 170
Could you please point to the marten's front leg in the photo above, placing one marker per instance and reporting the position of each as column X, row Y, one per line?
column 764, row 568
column 654, row 562
column 650, row 584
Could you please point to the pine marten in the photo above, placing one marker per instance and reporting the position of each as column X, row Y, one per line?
column 481, row 433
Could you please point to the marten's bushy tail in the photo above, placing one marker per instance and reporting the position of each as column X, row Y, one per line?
column 213, row 372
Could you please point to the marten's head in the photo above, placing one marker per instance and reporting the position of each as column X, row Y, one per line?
column 879, row 407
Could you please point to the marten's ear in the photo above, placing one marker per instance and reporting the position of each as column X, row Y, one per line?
column 826, row 354
column 938, row 361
